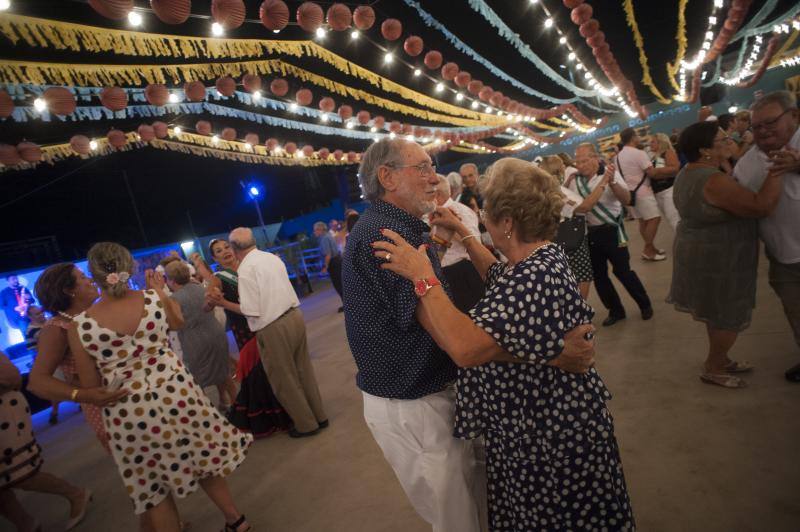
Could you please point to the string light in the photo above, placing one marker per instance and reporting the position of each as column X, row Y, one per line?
column 388, row 58
column 323, row 117
column 373, row 129
column 548, row 22
column 392, row 135
column 276, row 31
column 173, row 98
column 40, row 105
column 215, row 139
column 92, row 145
column 5, row 4
column 475, row 104
column 562, row 40
column 177, row 130
column 459, row 97
column 349, row 125
column 256, row 96
column 321, row 33
column 134, row 18
column 417, row 72
column 217, row 30
column 293, row 107
column 746, row 70
column 571, row 56
column 439, row 87
column 354, row 35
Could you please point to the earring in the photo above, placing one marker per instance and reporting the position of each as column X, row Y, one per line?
column 508, row 234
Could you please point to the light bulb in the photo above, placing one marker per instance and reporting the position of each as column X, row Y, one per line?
column 293, row 106
column 323, row 117
column 732, row 109
column 217, row 30
column 92, row 144
column 548, row 22
column 177, row 130
column 349, row 125
column 134, row 19
column 40, row 104
column 373, row 129
column 562, row 40
column 354, row 35
column 5, row 4
column 276, row 31
column 388, row 58
column 249, row 146
column 417, row 72
column 459, row 97
column 475, row 104
column 215, row 139
column 392, row 135
column 571, row 56
column 173, row 98
column 321, row 33
column 439, row 87
column 410, row 137
column 256, row 96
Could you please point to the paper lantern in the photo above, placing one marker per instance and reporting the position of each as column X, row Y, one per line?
column 279, row 87
column 308, row 150
column 449, row 71
column 572, row 4
column 203, row 127
column 395, row 126
column 339, row 17
column 601, row 50
column 597, row 39
column 337, row 154
column 9, row 155
column 413, row 45
column 160, row 129
column 146, row 133
column 113, row 9
column 274, row 14
column 251, row 82
column 228, row 134
column 364, row 17
column 290, row 148
column 324, row 153
column 252, row 139
column 6, row 104
column 327, row 104
column 29, row 152
column 379, row 122
column 271, row 144
column 172, row 11
column 309, row 16
column 117, row 138
column 496, row 99
column 114, row 98
column 304, row 97
column 228, row 13
column 226, row 86
column 351, row 156
column 156, row 94
column 474, row 86
column 80, row 144
column 463, row 78
column 60, row 101
column 363, row 117
column 345, row 111
column 581, row 14
column 589, row 28
column 195, row 91
column 391, row 29
column 485, row 93
column 433, row 59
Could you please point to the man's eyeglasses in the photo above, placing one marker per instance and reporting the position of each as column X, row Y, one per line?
column 422, row 169
column 769, row 124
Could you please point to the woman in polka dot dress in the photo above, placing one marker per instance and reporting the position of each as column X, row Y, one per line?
column 165, row 435
column 552, row 459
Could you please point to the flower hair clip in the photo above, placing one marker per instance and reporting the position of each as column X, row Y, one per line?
column 114, row 278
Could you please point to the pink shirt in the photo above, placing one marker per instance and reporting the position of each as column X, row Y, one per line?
column 633, row 162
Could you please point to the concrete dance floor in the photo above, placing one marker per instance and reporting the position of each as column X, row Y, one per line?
column 696, row 457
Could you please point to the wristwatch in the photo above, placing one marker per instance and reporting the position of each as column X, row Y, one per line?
column 421, row 286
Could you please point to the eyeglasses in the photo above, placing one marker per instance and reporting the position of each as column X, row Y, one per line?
column 422, row 169
column 769, row 124
column 482, row 215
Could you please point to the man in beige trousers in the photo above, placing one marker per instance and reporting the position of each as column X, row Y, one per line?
column 268, row 301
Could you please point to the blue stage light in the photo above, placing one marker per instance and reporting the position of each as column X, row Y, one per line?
column 254, row 191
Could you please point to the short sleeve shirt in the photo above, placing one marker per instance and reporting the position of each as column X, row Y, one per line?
column 395, row 356
column 633, row 162
column 327, row 246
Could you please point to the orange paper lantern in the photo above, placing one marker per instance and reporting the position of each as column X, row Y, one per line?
column 413, row 45
column 195, row 91
column 80, row 144
column 203, row 127
column 146, row 133
column 345, row 111
column 474, row 86
column 228, row 13
column 449, row 71
column 251, row 82
column 364, row 17
column 391, row 29
column 463, row 78
column 581, row 14
column 228, row 134
column 60, row 101
column 172, row 11
column 114, row 98
column 160, row 129
column 251, row 138
column 327, row 104
column 304, row 97
column 116, row 138
column 279, row 87
column 226, row 86
column 339, row 17
column 271, row 144
column 309, row 16
column 290, row 148
column 433, row 59
column 156, row 94
column 274, row 14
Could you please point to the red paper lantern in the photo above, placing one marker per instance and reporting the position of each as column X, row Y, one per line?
column 395, row 126
column 279, row 87
column 228, row 134
column 449, row 71
column 589, row 28
column 146, row 133
column 9, row 155
column 113, row 9
column 80, row 144
column 304, row 97
column 29, row 152
column 337, row 154
column 339, row 17
column 195, row 91
column 581, row 14
column 251, row 82
column 327, row 104
column 228, row 13
column 114, row 98
column 60, row 101
column 474, row 86
column 363, row 117
column 308, row 150
column 6, row 104
column 345, row 112
column 274, row 14
column 116, row 138
column 226, row 86
column 324, row 153
column 156, row 94
column 413, row 45
column 463, row 78
column 309, row 16
column 172, row 11
column 485, row 93
column 391, row 29
column 597, row 39
column 433, row 59
column 252, row 139
column 271, row 144
column 203, row 127
column 364, row 17
column 160, row 129
column 379, row 122
column 290, row 148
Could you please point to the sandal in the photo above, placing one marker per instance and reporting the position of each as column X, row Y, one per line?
column 75, row 521
column 236, row 527
column 738, row 367
column 723, row 379
column 655, row 258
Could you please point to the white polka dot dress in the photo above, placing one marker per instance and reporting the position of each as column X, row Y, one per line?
column 165, row 435
column 552, row 459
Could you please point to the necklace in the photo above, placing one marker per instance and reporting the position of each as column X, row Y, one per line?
column 68, row 317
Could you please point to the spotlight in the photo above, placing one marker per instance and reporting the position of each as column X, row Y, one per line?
column 256, row 96
column 354, row 35
column 134, row 18
column 40, row 104
column 388, row 58
column 173, row 98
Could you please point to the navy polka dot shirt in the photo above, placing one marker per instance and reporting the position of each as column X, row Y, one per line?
column 396, row 357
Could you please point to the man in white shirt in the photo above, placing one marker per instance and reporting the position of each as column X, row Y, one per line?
column 269, row 302
column 464, row 280
column 469, row 177
column 776, row 131
column 607, row 238
column 456, row 185
column 636, row 167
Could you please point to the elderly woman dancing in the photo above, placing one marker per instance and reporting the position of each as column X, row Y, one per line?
column 552, row 459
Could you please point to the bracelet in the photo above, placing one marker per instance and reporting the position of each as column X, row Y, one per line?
column 74, row 395
column 464, row 239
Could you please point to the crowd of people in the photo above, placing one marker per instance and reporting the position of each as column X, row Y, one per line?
column 464, row 300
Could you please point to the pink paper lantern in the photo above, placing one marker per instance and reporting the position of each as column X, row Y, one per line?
column 228, row 134
column 433, row 59
column 113, row 9
column 228, row 13
column 156, row 94
column 339, row 17
column 226, row 86
column 203, row 127
column 449, row 71
column 308, row 150
column 345, row 112
column 327, row 104
column 29, row 152
column 146, row 133
column 413, row 45
column 304, row 97
column 324, row 153
column 80, row 144
column 252, row 139
column 6, row 104
column 309, row 16
column 290, row 148
column 172, row 11
column 251, row 82
column 116, row 138
column 59, row 100
column 274, row 14
column 391, row 29
column 364, row 17
column 195, row 91
column 160, row 129
column 279, row 87
column 9, row 155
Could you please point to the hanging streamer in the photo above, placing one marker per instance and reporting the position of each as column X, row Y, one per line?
column 680, row 36
column 630, row 17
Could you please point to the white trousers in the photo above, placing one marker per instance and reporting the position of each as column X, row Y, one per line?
column 440, row 474
column 667, row 206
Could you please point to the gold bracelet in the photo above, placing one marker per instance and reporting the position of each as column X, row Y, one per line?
column 74, row 395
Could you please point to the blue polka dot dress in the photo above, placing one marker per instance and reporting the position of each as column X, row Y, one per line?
column 551, row 456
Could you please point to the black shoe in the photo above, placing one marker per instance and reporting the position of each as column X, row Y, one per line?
column 793, row 374
column 647, row 313
column 611, row 320
column 341, row 309
column 323, row 424
column 293, row 433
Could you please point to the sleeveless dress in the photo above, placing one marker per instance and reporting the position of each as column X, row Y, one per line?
column 165, row 435
column 20, row 454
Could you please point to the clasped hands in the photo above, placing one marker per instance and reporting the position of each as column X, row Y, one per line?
column 784, row 161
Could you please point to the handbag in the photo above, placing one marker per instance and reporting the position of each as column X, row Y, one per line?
column 635, row 190
column 571, row 233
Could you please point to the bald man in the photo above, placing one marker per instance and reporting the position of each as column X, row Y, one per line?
column 270, row 304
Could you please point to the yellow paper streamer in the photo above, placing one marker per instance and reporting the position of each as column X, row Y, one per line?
column 637, row 37
column 77, row 37
column 680, row 36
